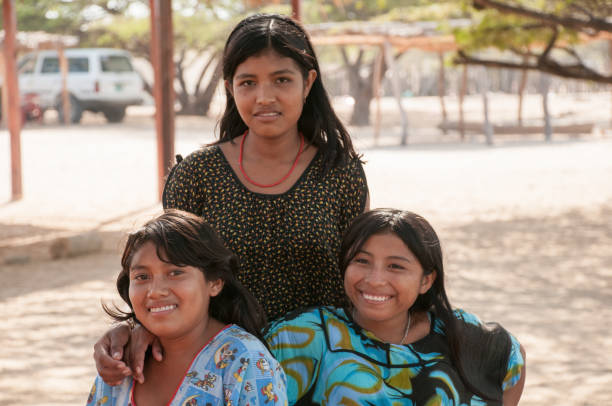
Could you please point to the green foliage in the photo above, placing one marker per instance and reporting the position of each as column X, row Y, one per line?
column 436, row 11
column 513, row 32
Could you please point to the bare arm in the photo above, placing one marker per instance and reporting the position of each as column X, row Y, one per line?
column 513, row 394
column 121, row 352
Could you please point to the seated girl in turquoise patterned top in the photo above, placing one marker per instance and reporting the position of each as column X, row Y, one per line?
column 179, row 282
column 397, row 341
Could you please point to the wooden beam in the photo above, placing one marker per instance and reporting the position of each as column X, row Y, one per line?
column 12, row 96
column 438, row 44
column 162, row 54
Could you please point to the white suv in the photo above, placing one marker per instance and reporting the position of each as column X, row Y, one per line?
column 99, row 80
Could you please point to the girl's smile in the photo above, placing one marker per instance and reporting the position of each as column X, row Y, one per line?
column 382, row 281
column 269, row 90
column 170, row 301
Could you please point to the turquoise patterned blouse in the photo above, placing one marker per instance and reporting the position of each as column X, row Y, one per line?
column 234, row 368
column 329, row 360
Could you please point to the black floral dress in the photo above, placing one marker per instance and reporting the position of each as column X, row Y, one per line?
column 287, row 243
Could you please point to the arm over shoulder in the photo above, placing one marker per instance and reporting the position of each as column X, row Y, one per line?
column 298, row 343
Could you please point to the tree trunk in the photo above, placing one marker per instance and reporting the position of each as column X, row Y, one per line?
column 360, row 88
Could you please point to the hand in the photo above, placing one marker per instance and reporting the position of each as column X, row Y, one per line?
column 108, row 352
column 139, row 342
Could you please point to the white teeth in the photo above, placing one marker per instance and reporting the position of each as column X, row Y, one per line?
column 161, row 309
column 376, row 298
column 267, row 114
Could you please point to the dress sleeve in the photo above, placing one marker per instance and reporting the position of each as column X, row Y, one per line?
column 299, row 345
column 100, row 392
column 256, row 379
column 183, row 189
column 354, row 189
column 515, row 364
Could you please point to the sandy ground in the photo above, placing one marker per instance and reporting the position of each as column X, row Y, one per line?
column 526, row 228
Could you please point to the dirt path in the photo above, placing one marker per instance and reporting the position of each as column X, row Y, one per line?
column 548, row 280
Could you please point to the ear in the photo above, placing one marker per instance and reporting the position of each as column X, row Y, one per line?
column 427, row 281
column 312, row 75
column 228, row 87
column 215, row 287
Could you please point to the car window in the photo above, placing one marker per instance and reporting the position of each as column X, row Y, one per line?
column 27, row 65
column 78, row 64
column 50, row 65
column 75, row 64
column 116, row 63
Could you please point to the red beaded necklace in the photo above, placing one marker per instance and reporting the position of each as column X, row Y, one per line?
column 280, row 180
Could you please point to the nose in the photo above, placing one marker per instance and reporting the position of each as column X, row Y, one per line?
column 265, row 93
column 157, row 288
column 376, row 275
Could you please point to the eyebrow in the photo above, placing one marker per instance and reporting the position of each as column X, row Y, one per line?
column 137, row 267
column 361, row 251
column 278, row 72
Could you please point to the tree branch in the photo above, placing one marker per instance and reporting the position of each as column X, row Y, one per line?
column 590, row 25
column 577, row 71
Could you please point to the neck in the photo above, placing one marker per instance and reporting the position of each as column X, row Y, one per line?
column 392, row 331
column 282, row 148
column 188, row 345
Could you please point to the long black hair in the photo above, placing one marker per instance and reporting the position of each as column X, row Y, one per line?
column 318, row 121
column 472, row 349
column 184, row 239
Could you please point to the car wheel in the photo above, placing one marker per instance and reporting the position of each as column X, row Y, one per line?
column 114, row 114
column 76, row 110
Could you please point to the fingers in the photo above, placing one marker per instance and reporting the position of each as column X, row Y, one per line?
column 140, row 341
column 158, row 353
column 119, row 337
column 111, row 369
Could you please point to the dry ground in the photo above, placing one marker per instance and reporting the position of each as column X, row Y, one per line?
column 526, row 228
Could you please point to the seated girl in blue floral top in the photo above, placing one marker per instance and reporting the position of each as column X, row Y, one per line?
column 398, row 341
column 179, row 282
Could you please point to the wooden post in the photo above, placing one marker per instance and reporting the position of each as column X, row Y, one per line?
column 487, row 127
column 13, row 102
column 521, row 92
column 462, row 92
column 396, row 90
column 295, row 10
column 377, row 78
column 4, row 101
column 63, row 64
column 544, row 87
column 162, row 54
column 441, row 91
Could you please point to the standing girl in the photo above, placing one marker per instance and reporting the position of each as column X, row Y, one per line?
column 280, row 186
column 179, row 282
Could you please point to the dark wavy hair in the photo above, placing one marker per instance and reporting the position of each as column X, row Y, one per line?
column 318, row 121
column 472, row 349
column 184, row 239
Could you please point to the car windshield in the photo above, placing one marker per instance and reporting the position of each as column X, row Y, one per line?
column 27, row 64
column 116, row 63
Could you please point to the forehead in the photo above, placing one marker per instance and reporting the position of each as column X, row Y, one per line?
column 146, row 253
column 266, row 62
column 386, row 244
